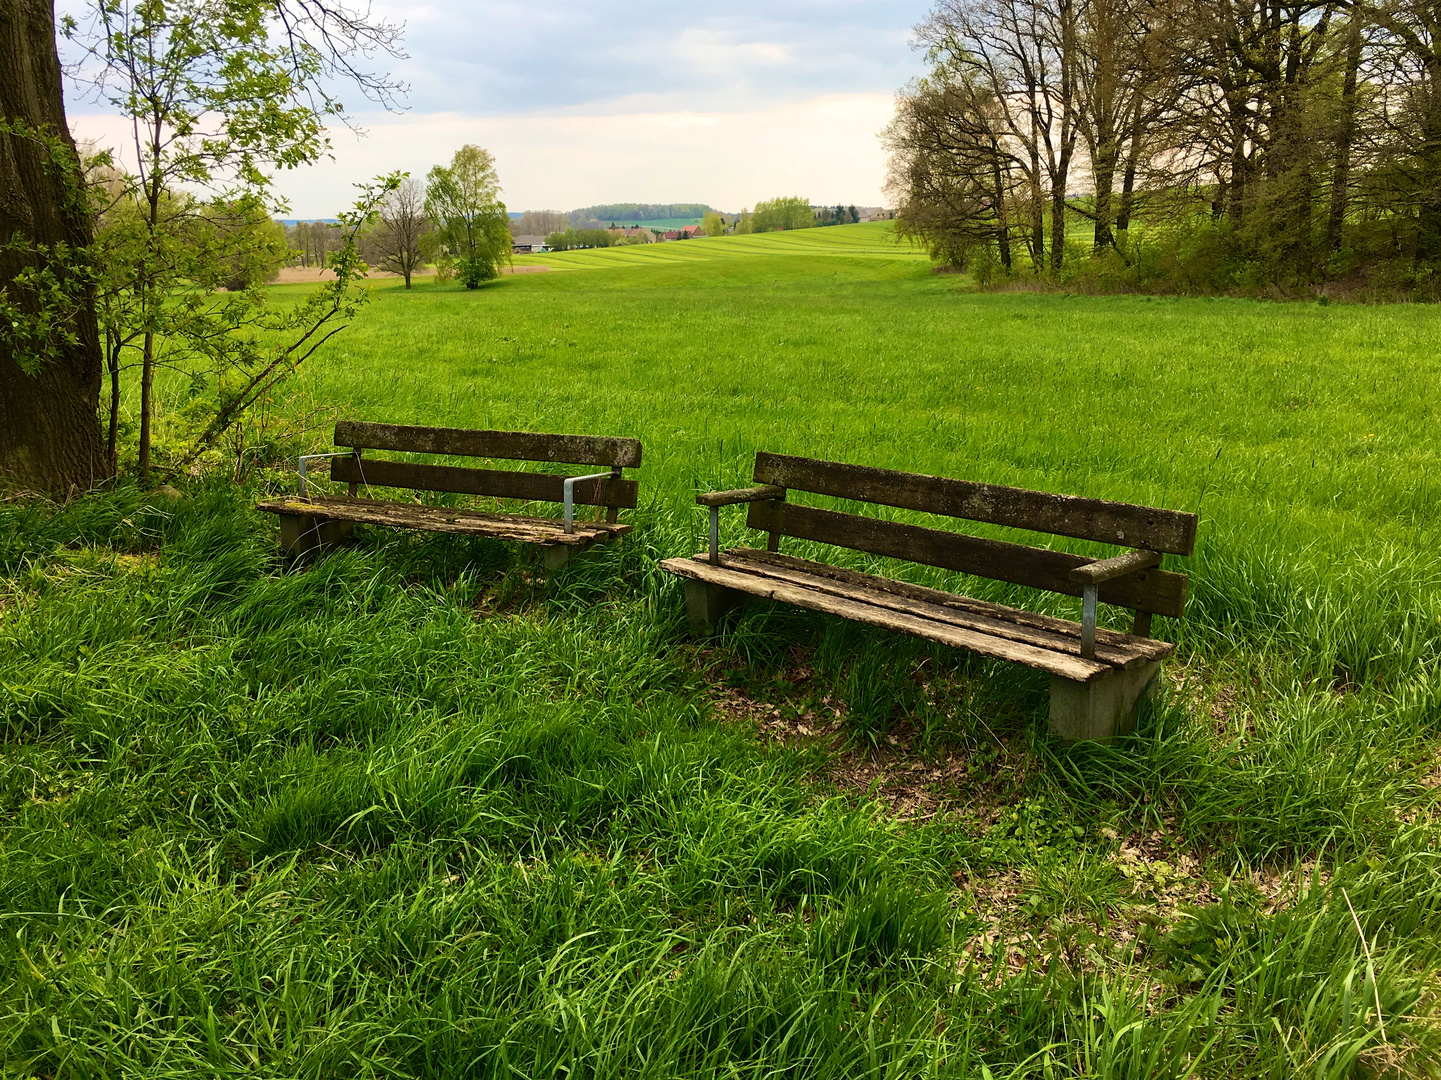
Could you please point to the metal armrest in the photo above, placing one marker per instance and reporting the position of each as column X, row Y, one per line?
column 568, row 495
column 714, row 500
column 1092, row 574
column 314, row 457
column 742, row 495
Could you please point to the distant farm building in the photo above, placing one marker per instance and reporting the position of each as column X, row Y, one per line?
column 527, row 245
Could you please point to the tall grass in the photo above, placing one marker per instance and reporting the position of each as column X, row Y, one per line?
column 409, row 811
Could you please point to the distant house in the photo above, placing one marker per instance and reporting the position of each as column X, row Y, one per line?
column 527, row 245
column 670, row 234
column 690, row 232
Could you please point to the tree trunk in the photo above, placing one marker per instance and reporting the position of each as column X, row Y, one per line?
column 1128, row 181
column 147, row 384
column 1345, row 137
column 1003, row 210
column 49, row 422
column 112, row 363
column 1428, row 233
column 1104, row 170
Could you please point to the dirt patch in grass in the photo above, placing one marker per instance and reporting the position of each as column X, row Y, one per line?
column 894, row 770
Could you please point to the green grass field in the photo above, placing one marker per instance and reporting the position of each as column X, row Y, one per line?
column 410, row 812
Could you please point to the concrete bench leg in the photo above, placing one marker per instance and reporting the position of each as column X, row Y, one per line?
column 705, row 604
column 557, row 555
column 1104, row 707
column 301, row 534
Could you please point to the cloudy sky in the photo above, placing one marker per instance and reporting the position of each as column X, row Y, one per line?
column 594, row 101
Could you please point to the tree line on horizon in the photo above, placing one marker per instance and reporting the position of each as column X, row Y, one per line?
column 581, row 228
column 1182, row 144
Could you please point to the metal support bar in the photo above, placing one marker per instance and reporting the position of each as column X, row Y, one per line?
column 312, row 457
column 568, row 491
column 1088, row 621
column 715, row 535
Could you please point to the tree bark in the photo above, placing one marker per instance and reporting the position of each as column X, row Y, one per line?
column 1345, row 137
column 49, row 422
column 1128, row 181
column 1428, row 233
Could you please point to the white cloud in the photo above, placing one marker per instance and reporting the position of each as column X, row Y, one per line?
column 825, row 149
column 626, row 100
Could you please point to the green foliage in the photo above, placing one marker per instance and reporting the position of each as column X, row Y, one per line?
column 40, row 305
column 248, row 247
column 220, row 94
column 576, row 239
column 784, row 212
column 463, row 200
column 713, row 224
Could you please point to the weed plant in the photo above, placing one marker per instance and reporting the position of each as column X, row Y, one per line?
column 412, row 810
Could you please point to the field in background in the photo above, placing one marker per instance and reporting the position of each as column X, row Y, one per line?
column 408, row 812
column 657, row 223
column 872, row 240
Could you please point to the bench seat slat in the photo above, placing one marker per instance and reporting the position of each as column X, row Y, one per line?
column 1156, row 591
column 1101, row 520
column 510, row 445
column 447, row 519
column 753, row 580
column 533, row 487
column 1061, row 635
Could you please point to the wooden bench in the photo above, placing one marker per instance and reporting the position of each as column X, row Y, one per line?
column 309, row 522
column 1098, row 676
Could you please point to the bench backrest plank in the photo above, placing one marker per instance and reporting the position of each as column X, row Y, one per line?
column 1156, row 591
column 1146, row 527
column 508, row 445
column 496, row 483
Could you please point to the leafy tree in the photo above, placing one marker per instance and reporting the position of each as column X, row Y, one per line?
column 785, row 212
column 572, row 239
column 463, row 199
column 251, row 247
column 234, row 86
column 214, row 101
column 713, row 224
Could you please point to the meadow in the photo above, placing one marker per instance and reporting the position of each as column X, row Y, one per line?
column 414, row 810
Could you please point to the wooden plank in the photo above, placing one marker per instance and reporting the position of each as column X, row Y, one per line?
column 1154, row 650
column 1061, row 515
column 509, row 445
column 498, row 483
column 1093, row 573
column 447, row 519
column 1068, row 667
column 1150, row 590
column 741, row 495
column 1122, row 653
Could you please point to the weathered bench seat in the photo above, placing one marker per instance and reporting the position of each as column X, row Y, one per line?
column 309, row 521
column 1098, row 676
